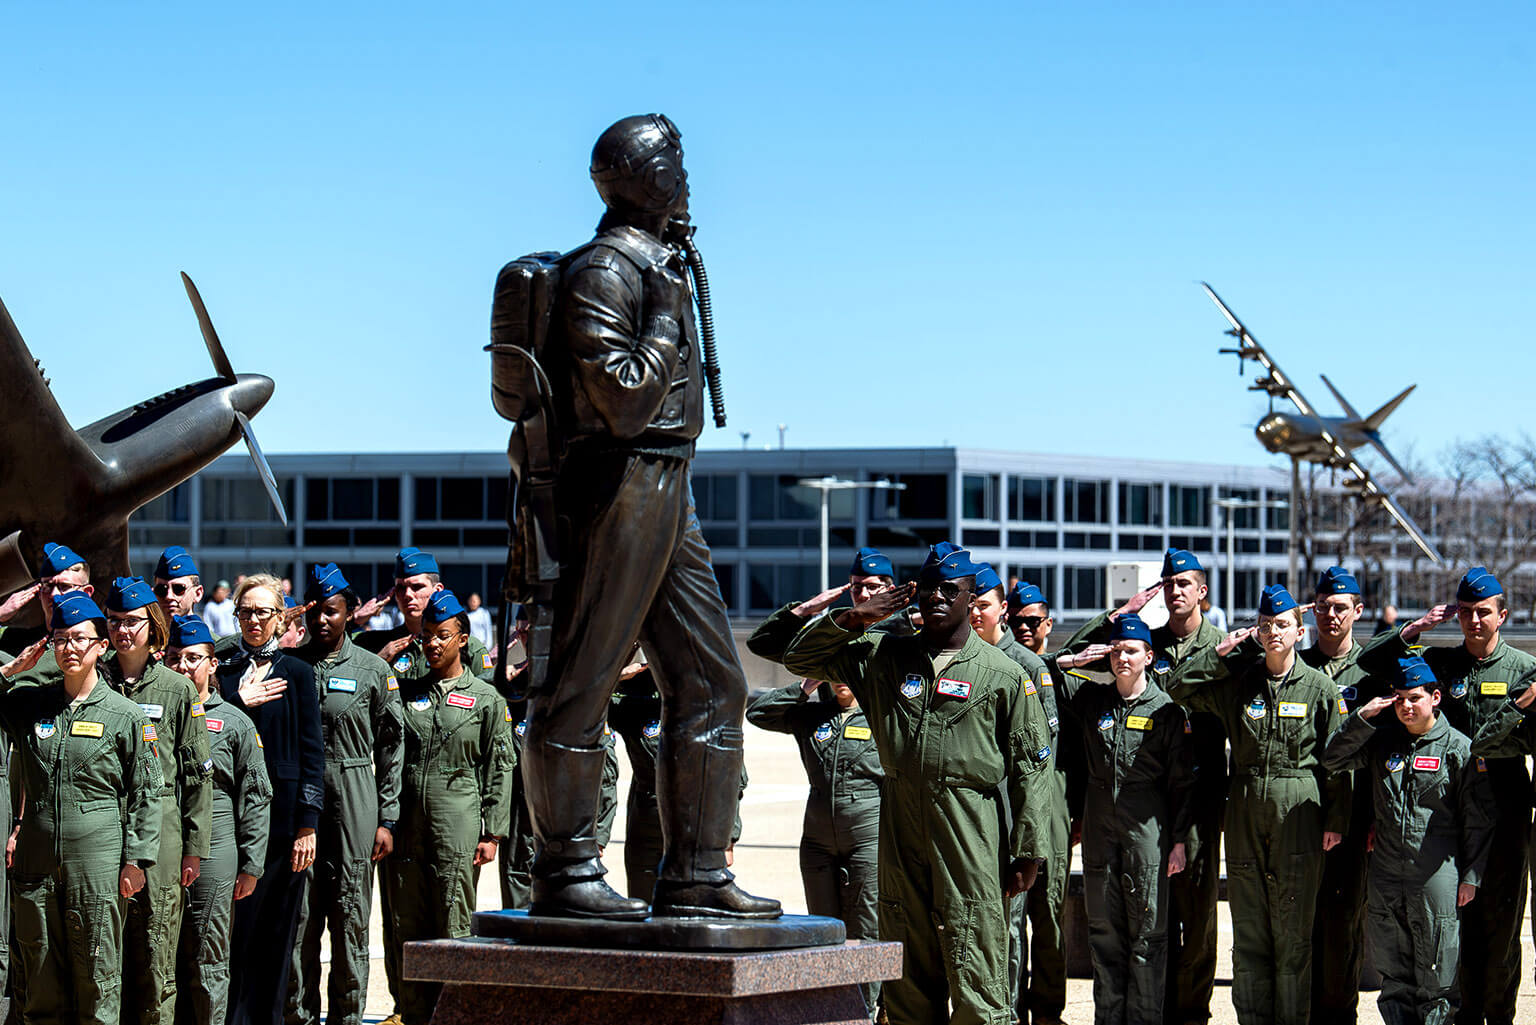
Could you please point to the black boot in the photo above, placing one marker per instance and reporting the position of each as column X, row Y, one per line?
column 710, row 900
column 583, row 898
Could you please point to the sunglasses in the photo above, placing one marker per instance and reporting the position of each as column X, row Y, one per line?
column 1033, row 622
column 171, row 587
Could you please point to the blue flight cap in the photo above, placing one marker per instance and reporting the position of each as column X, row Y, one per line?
column 189, row 630
column 290, row 602
column 947, row 561
column 1024, row 594
column 1130, row 627
column 1177, row 561
column 175, row 562
column 129, row 593
column 1477, row 585
column 1337, row 580
column 1414, row 672
column 871, row 562
column 1274, row 600
column 59, row 558
column 441, row 607
column 412, row 561
column 73, row 608
column 325, row 581
column 987, row 578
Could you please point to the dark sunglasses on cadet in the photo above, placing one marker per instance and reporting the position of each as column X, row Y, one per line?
column 172, row 587
column 1033, row 622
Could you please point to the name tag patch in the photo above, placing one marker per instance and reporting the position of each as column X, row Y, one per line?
column 155, row 712
column 461, row 700
column 1138, row 722
column 962, row 689
column 1427, row 763
column 1293, row 709
column 1493, row 689
column 858, row 733
column 87, row 729
column 215, row 725
column 345, row 686
column 912, row 686
column 1255, row 709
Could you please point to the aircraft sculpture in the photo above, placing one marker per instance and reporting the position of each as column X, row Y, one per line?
column 80, row 487
column 1326, row 440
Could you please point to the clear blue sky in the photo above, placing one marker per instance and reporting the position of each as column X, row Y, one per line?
column 979, row 225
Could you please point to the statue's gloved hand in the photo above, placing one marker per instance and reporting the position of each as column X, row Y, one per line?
column 665, row 292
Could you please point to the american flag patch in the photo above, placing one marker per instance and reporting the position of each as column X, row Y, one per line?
column 149, row 733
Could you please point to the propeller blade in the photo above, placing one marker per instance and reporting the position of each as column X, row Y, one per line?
column 262, row 469
column 211, row 338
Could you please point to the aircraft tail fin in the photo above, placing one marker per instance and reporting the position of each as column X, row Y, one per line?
column 1375, row 420
column 1349, row 410
column 1376, row 443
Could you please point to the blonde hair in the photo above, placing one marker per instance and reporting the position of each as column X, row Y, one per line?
column 265, row 580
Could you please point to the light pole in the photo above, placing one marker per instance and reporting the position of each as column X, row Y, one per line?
column 829, row 484
column 1226, row 505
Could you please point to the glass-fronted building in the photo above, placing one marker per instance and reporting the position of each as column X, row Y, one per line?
column 1058, row 521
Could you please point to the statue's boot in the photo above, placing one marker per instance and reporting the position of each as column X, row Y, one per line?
column 563, row 787
column 697, row 780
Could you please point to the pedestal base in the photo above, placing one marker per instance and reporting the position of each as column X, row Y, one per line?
column 780, row 933
column 499, row 982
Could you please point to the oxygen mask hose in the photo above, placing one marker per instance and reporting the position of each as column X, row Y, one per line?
column 706, row 328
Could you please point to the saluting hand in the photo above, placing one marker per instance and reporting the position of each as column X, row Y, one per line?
column 1233, row 639
column 18, row 601
column 392, row 650
column 1431, row 619
column 1138, row 601
column 297, row 612
column 370, row 608
column 25, row 660
column 130, row 881
column 1087, row 656
column 1371, row 708
column 881, row 605
column 811, row 606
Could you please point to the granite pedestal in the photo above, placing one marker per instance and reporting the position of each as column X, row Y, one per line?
column 489, row 981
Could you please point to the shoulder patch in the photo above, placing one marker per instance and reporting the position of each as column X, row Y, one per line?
column 1045, row 679
column 1343, row 707
column 1029, row 686
column 507, row 714
column 823, row 733
column 258, row 740
column 149, row 733
column 197, row 708
column 392, row 684
column 485, row 660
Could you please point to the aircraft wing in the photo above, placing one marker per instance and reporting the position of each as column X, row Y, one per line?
column 1278, row 382
column 1364, row 487
column 38, row 441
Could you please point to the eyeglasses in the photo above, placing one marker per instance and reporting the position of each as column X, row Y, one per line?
column 127, row 622
column 947, row 588
column 164, row 587
column 57, row 586
column 1271, row 626
column 74, row 642
column 1033, row 622
column 258, row 614
column 191, row 661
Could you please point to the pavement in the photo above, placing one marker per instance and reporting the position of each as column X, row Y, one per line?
column 767, row 863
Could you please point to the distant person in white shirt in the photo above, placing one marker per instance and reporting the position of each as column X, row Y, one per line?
column 219, row 611
column 480, row 624
column 1214, row 614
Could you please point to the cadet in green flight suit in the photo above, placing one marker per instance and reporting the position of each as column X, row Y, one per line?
column 361, row 721
column 1478, row 677
column 1136, row 819
column 1193, row 892
column 1434, row 825
column 417, row 579
column 1285, row 810
column 870, row 574
column 1040, row 906
column 453, row 805
column 964, row 752
column 138, row 629
column 1338, row 940
column 840, row 838
column 88, row 763
column 242, row 796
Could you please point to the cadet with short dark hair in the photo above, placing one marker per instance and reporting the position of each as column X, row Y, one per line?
column 417, row 579
column 1285, row 811
column 1478, row 677
column 956, row 733
column 1434, row 825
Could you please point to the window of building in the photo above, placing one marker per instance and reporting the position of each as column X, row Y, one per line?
column 982, row 537
column 462, row 498
column 1189, row 505
column 769, row 586
column 1243, row 517
column 1278, row 517
column 714, row 496
column 1141, row 505
column 783, row 498
column 978, row 496
column 242, row 500
column 1085, row 501
column 1032, row 499
column 926, row 497
column 1084, row 587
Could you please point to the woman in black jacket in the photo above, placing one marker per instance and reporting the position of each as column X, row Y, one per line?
column 277, row 691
